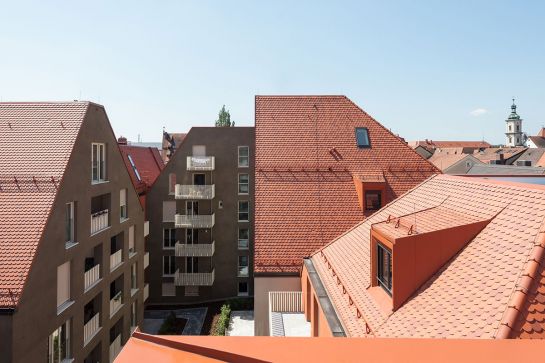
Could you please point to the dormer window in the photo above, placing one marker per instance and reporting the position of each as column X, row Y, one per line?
column 362, row 137
column 373, row 200
column 384, row 268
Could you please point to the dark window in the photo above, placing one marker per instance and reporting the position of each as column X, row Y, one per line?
column 243, row 289
column 362, row 137
column 169, row 238
column 243, row 211
column 169, row 265
column 384, row 268
column 199, row 179
column 373, row 200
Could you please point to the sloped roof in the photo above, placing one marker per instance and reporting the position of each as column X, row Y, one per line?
column 36, row 140
column 504, row 170
column 539, row 141
column 445, row 161
column 450, row 144
column 532, row 154
column 306, row 156
column 474, row 295
column 494, row 153
column 147, row 162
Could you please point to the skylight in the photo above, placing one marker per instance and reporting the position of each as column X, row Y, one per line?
column 362, row 137
column 134, row 168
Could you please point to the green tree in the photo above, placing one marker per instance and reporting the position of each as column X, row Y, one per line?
column 224, row 118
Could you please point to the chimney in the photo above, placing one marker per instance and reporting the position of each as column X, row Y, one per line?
column 122, row 140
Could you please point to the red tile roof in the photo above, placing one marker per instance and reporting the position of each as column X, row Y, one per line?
column 449, row 144
column 478, row 293
column 306, row 156
column 444, row 161
column 148, row 164
column 36, row 140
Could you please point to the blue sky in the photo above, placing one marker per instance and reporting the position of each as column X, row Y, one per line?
column 420, row 68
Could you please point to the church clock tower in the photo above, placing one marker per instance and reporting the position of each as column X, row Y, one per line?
column 513, row 128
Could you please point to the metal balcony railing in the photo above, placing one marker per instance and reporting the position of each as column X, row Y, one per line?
column 195, row 250
column 194, row 191
column 115, row 348
column 200, row 163
column 92, row 276
column 194, row 221
column 99, row 221
column 286, row 301
column 116, row 303
column 115, row 259
column 194, row 279
column 90, row 328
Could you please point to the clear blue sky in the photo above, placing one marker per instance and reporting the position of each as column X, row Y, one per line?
column 420, row 68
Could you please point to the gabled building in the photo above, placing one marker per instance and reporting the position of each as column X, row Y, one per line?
column 170, row 143
column 200, row 210
column 455, row 257
column 467, row 147
column 322, row 165
column 71, row 236
column 454, row 164
column 537, row 141
column 499, row 155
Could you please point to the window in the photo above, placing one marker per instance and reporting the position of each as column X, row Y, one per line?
column 191, row 265
column 199, row 179
column 134, row 168
column 242, row 289
column 243, row 156
column 98, row 162
column 243, row 183
column 509, row 127
column 70, row 223
column 134, row 281
column 169, row 210
column 384, row 268
column 169, row 238
column 243, row 211
column 132, row 250
column 373, row 199
column 133, row 315
column 192, row 208
column 362, row 137
column 242, row 266
column 192, row 236
column 171, row 183
column 59, row 344
column 243, row 238
column 169, row 265
column 123, row 204
column 63, row 284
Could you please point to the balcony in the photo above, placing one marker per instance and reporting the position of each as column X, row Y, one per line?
column 200, row 163
column 194, row 221
column 146, row 292
column 194, row 191
column 286, row 316
column 91, row 328
column 92, row 276
column 99, row 221
column 116, row 303
column 115, row 259
column 146, row 260
column 115, row 348
column 194, row 279
column 195, row 250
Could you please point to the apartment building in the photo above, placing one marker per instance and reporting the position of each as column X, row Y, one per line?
column 322, row 165
column 200, row 210
column 71, row 235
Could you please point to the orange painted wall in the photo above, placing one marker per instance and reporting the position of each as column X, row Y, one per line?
column 319, row 327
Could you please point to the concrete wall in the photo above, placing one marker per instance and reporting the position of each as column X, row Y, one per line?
column 262, row 286
column 36, row 317
column 222, row 143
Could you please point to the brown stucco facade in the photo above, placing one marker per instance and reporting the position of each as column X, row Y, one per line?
column 216, row 266
column 24, row 333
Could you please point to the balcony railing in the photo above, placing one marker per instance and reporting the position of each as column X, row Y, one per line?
column 115, row 348
column 116, row 303
column 195, row 191
column 286, row 301
column 200, row 163
column 99, row 221
column 194, row 221
column 146, row 292
column 92, row 276
column 146, row 260
column 195, row 250
column 90, row 328
column 194, row 279
column 115, row 259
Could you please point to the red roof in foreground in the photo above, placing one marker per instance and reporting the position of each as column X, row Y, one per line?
column 147, row 165
column 147, row 348
column 36, row 140
column 493, row 288
column 306, row 158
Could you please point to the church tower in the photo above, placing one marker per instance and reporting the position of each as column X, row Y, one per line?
column 513, row 128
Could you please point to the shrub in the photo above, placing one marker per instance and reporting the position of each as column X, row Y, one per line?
column 171, row 325
column 223, row 320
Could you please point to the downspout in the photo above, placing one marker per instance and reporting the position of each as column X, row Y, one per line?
column 522, row 288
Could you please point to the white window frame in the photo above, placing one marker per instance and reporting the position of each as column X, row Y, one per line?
column 101, row 163
column 247, row 157
column 239, row 274
column 241, row 246
column 123, row 210
column 239, row 212
column 247, row 184
column 169, row 258
column 172, row 231
column 71, row 221
column 51, row 344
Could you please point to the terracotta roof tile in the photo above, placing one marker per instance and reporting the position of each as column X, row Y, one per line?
column 470, row 295
column 306, row 156
column 148, row 164
column 36, row 140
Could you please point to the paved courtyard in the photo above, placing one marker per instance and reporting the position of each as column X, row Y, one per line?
column 153, row 319
column 241, row 323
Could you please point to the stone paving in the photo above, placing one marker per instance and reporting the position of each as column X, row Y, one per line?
column 195, row 320
column 241, row 323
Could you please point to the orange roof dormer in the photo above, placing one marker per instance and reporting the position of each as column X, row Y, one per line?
column 371, row 190
column 406, row 251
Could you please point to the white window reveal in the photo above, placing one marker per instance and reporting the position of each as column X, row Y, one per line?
column 98, row 162
column 63, row 285
column 243, row 156
column 59, row 349
column 132, row 249
column 70, row 224
column 123, row 214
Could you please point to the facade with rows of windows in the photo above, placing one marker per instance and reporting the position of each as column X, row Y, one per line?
column 200, row 211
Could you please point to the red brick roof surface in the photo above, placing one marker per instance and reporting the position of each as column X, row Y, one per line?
column 148, row 163
column 36, row 141
column 478, row 292
column 306, row 156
